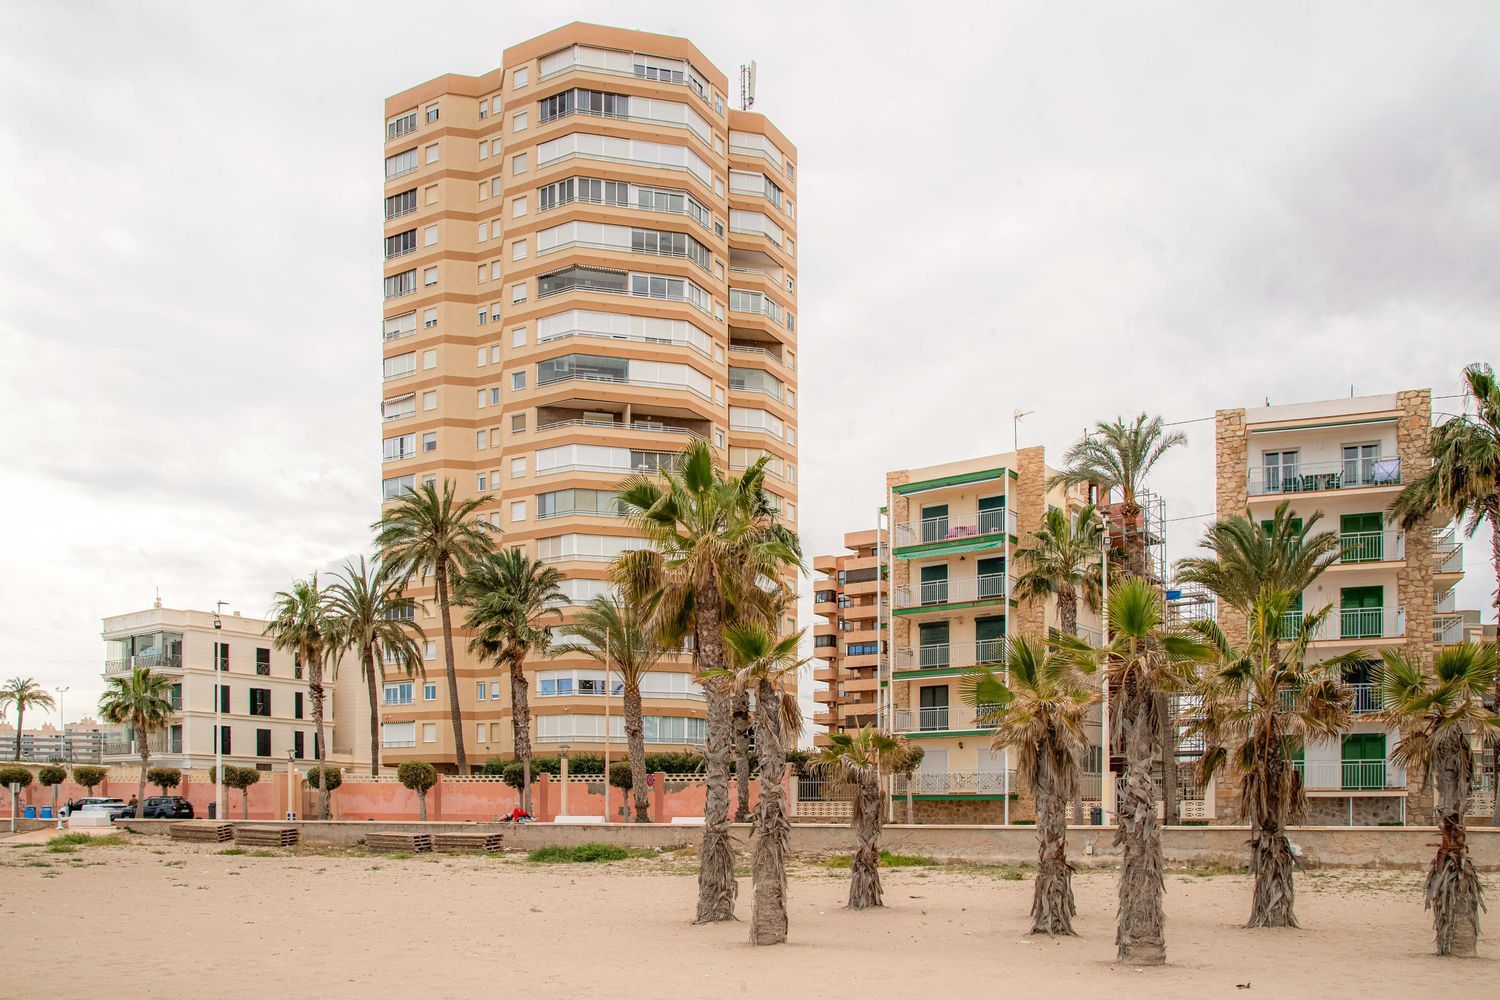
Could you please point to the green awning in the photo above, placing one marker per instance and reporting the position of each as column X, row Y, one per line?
column 963, row 479
column 953, row 547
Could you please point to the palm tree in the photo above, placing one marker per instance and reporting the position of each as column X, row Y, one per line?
column 426, row 531
column 299, row 622
column 908, row 759
column 859, row 761
column 1464, row 479
column 761, row 664
column 1064, row 560
column 1038, row 707
column 1259, row 705
column 714, row 540
column 23, row 693
column 510, row 597
column 1249, row 556
column 1118, row 457
column 1147, row 661
column 369, row 616
column 1442, row 715
column 614, row 633
column 141, row 700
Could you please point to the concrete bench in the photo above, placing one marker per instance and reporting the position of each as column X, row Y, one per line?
column 579, row 819
column 87, row 819
column 687, row 820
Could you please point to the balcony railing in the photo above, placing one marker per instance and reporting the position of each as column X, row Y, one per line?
column 958, row 783
column 944, row 529
column 941, row 718
column 990, row 586
column 743, row 349
column 1364, row 696
column 1314, row 476
column 1372, row 546
column 1448, row 603
column 155, row 661
column 1351, row 624
column 157, row 743
column 1447, row 552
column 1448, row 629
column 619, row 425
column 1351, row 775
column 944, row 656
column 646, row 383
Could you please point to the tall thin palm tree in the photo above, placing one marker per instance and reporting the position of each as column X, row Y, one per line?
column 1463, row 480
column 428, row 531
column 1248, row 556
column 715, row 542
column 615, row 633
column 761, row 663
column 858, row 761
column 23, row 693
column 299, row 623
column 369, row 616
column 1117, row 457
column 142, row 700
column 1038, row 707
column 1442, row 716
column 511, row 598
column 909, row 757
column 1259, row 705
column 1064, row 559
column 1147, row 661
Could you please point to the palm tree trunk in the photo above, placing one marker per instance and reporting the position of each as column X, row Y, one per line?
column 1131, row 539
column 422, row 806
column 773, row 831
column 140, row 785
column 1492, row 515
column 370, row 686
column 909, row 812
column 20, row 719
column 315, row 688
column 635, row 746
column 864, row 870
column 716, row 885
column 742, row 754
column 1171, row 808
column 1052, row 904
column 1271, row 859
column 440, row 583
column 1453, row 892
column 1067, row 609
column 520, row 723
column 1140, row 934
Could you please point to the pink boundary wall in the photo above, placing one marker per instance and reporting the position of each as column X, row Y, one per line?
column 453, row 800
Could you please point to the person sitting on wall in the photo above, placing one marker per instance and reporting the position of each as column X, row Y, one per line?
column 519, row 815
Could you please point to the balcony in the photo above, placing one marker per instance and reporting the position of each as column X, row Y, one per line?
column 1371, row 546
column 940, row 531
column 1447, row 552
column 991, row 587
column 619, row 380
column 958, row 783
column 1351, row 775
column 942, row 719
column 1320, row 476
column 759, row 352
column 1351, row 624
column 1448, row 629
column 618, row 425
column 153, row 661
column 947, row 656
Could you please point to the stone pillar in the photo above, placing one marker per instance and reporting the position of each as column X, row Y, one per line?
column 1028, row 498
column 658, row 796
column 901, row 630
column 1232, row 479
column 1414, row 578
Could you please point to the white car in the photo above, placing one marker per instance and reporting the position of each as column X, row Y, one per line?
column 90, row 804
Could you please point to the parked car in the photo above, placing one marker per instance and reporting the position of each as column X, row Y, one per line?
column 157, row 807
column 95, row 802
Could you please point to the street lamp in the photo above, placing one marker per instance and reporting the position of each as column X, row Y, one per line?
column 62, row 721
column 218, row 723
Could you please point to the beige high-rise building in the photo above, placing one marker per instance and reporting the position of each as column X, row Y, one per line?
column 590, row 261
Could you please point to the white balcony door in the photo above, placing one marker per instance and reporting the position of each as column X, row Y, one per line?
column 935, row 762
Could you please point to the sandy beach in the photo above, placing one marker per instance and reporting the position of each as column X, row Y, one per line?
column 198, row 922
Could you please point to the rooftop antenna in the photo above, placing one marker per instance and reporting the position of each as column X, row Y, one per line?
column 158, row 598
column 747, row 85
column 1015, row 428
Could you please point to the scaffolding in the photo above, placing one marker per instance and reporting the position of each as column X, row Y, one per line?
column 1149, row 524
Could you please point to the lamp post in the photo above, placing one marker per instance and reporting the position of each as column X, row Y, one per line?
column 291, row 786
column 62, row 722
column 607, row 689
column 1106, row 778
column 218, row 722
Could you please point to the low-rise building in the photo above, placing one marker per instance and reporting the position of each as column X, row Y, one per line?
column 82, row 743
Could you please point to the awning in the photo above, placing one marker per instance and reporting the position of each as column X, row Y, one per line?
column 955, row 546
column 906, row 489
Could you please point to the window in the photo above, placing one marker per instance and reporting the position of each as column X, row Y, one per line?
column 518, row 510
column 398, row 734
column 517, row 380
column 429, row 650
column 223, row 690
column 429, row 236
column 429, row 440
column 400, row 365
column 298, row 747
column 429, row 691
column 401, row 243
column 429, row 318
column 1280, row 470
column 518, row 423
column 262, row 743
column 430, row 194
column 397, row 205
column 561, row 503
column 518, row 293
column 432, row 113
column 296, row 704
column 518, row 122
column 482, row 691
column 430, row 276
column 396, row 486
column 482, row 732
column 429, row 359
column 518, row 207
column 400, row 326
column 226, row 738
column 518, row 468
column 520, row 77
column 262, row 661
column 484, row 109
column 429, row 400
column 394, row 449
column 397, row 285
column 518, row 337
column 432, row 153
column 601, row 147
column 397, row 127
column 221, row 655
column 398, row 693
column 429, row 732
column 518, row 250
column 518, row 163
column 401, row 163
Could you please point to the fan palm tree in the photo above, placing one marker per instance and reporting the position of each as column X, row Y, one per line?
column 299, row 623
column 858, row 762
column 761, row 664
column 1065, row 560
column 369, row 616
column 1147, row 661
column 23, row 693
column 1118, row 457
column 1249, row 556
column 1259, row 704
column 142, row 700
column 714, row 542
column 1038, row 707
column 511, row 597
column 427, row 531
column 614, row 633
column 1441, row 715
column 1464, row 478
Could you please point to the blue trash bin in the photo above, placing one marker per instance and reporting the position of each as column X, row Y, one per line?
column 46, row 812
column 29, row 812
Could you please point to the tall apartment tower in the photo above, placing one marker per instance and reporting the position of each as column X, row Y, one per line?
column 590, row 260
column 1390, row 588
column 847, row 640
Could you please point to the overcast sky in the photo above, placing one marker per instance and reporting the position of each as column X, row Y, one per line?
column 1079, row 212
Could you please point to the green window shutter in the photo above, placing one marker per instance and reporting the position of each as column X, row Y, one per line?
column 933, row 633
column 1363, row 759
column 1295, row 523
column 1361, row 538
column 1360, row 612
column 931, row 574
column 992, row 627
column 992, row 503
column 991, row 567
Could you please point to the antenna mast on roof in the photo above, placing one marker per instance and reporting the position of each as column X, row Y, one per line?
column 747, row 85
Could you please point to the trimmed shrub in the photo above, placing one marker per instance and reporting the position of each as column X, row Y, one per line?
column 619, row 774
column 799, row 760
column 15, row 776
column 418, row 775
column 90, row 776
column 165, row 778
column 241, row 778
column 49, row 776
column 335, row 776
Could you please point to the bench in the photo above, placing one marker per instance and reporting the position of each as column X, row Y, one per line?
column 207, row 833
column 415, row 843
column 266, row 836
column 578, row 819
column 88, row 819
column 687, row 820
column 451, row 842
